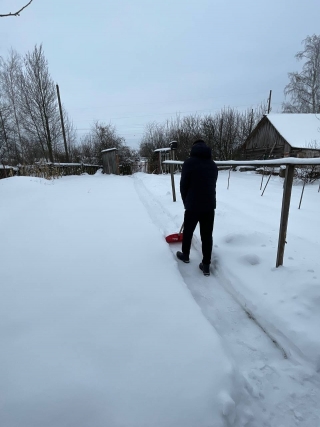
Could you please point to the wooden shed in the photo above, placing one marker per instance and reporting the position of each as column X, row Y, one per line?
column 110, row 161
column 284, row 135
column 163, row 154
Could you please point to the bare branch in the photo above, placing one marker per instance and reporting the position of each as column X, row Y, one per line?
column 16, row 13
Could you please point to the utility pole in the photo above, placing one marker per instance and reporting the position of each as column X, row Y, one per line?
column 6, row 141
column 62, row 125
column 4, row 130
column 269, row 103
column 251, row 121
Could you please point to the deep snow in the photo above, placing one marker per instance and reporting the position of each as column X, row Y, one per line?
column 102, row 326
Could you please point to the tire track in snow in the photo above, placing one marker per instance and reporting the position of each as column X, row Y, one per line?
column 281, row 391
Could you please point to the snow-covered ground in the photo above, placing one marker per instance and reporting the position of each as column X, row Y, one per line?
column 101, row 326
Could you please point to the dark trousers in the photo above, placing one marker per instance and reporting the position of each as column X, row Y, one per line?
column 206, row 220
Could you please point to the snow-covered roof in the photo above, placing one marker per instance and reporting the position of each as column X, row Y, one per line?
column 299, row 130
column 108, row 149
column 162, row 149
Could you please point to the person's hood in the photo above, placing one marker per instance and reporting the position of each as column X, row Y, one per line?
column 201, row 150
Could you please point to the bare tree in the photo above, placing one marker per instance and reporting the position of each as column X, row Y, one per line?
column 16, row 13
column 304, row 87
column 100, row 137
column 10, row 72
column 39, row 106
column 225, row 132
column 30, row 126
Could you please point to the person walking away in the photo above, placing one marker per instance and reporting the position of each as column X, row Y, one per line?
column 198, row 192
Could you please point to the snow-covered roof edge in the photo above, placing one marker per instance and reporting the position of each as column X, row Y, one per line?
column 109, row 149
column 284, row 161
column 15, row 168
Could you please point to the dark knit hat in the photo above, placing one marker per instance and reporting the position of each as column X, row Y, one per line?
column 199, row 141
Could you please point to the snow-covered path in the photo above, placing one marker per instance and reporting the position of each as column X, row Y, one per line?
column 101, row 325
column 283, row 389
column 97, row 326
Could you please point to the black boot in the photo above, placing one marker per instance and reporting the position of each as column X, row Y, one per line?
column 205, row 268
column 182, row 257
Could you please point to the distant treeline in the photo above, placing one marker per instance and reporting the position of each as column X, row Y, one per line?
column 30, row 120
column 225, row 132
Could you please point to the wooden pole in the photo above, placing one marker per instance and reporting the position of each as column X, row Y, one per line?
column 287, row 188
column 269, row 103
column 251, row 121
column 62, row 126
column 172, row 178
column 4, row 132
column 117, row 165
column 6, row 141
column 229, row 178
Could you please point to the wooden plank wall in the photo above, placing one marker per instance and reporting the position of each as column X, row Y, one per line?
column 110, row 162
column 266, row 143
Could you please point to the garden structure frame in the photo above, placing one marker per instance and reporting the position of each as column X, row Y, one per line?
column 290, row 163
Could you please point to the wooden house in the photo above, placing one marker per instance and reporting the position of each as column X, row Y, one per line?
column 284, row 135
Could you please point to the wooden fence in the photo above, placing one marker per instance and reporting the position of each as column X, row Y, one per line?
column 49, row 170
column 7, row 171
column 290, row 163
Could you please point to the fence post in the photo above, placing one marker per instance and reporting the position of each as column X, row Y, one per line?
column 173, row 146
column 287, row 187
column 160, row 164
column 172, row 178
column 229, row 177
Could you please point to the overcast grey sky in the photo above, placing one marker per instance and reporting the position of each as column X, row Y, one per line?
column 130, row 62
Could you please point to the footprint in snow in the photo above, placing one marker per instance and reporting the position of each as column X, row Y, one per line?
column 250, row 259
column 251, row 239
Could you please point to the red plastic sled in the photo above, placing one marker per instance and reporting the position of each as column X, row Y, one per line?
column 176, row 237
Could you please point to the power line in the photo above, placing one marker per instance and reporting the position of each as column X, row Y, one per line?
column 166, row 102
column 142, row 125
column 181, row 112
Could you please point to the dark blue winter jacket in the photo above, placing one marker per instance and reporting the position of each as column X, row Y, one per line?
column 198, row 180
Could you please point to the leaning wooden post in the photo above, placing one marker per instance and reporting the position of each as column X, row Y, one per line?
column 267, row 182
column 264, row 168
column 287, row 187
column 304, row 184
